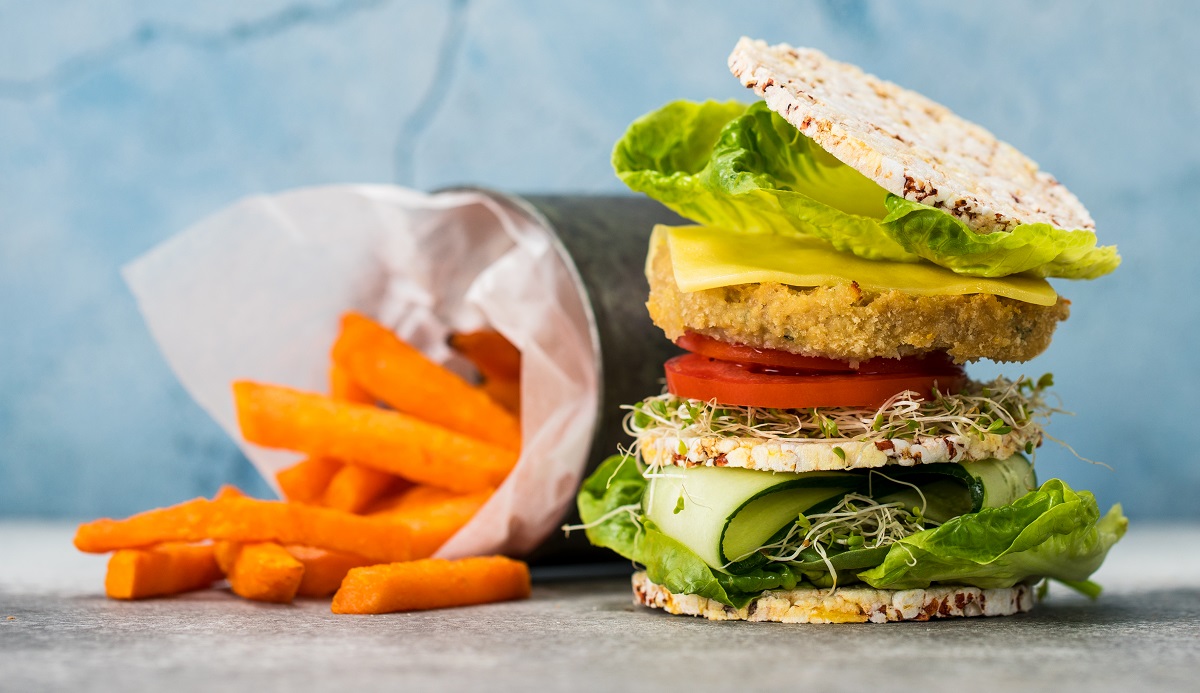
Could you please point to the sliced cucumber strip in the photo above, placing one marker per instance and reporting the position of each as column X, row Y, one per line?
column 950, row 490
column 1000, row 482
column 724, row 515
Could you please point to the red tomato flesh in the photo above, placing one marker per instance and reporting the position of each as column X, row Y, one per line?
column 696, row 376
column 740, row 353
column 935, row 362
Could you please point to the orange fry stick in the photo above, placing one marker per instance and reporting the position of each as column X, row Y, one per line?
column 402, row 377
column 280, row 417
column 160, row 571
column 228, row 491
column 265, row 572
column 307, row 480
column 342, row 386
column 354, row 487
column 494, row 356
column 323, row 570
column 249, row 520
column 434, row 520
column 417, row 499
column 431, row 583
column 506, row 393
column 226, row 553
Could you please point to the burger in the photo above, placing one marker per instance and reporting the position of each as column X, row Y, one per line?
column 819, row 453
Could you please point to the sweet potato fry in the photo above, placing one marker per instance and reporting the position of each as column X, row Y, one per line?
column 280, row 417
column 494, row 356
column 402, row 377
column 323, row 570
column 506, row 393
column 434, row 516
column 307, row 480
column 417, row 499
column 226, row 553
column 431, row 583
column 228, row 491
column 249, row 520
column 265, row 572
column 355, row 487
column 342, row 386
column 160, row 571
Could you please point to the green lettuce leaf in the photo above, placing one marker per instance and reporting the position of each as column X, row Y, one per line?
column 746, row 169
column 1052, row 532
column 618, row 483
column 1039, row 249
column 615, row 484
column 772, row 576
column 674, row 566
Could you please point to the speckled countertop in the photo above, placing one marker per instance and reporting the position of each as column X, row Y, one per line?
column 57, row 631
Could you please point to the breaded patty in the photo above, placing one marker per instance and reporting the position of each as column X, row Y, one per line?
column 844, row 322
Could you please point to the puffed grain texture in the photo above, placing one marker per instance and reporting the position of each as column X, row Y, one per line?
column 856, row 604
column 905, row 142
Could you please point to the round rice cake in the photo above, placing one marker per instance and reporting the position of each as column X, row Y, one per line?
column 660, row 449
column 855, row 604
column 908, row 144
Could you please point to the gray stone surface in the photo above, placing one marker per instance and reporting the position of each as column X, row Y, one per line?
column 583, row 635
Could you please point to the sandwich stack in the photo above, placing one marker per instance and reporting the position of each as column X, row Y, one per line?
column 819, row 453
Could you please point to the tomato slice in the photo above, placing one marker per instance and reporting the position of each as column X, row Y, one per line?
column 740, row 353
column 931, row 364
column 696, row 376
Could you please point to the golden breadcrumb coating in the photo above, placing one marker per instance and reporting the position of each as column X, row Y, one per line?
column 844, row 322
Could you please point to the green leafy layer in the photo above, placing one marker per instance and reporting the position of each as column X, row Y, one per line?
column 747, row 169
column 1051, row 532
column 1039, row 249
column 617, row 483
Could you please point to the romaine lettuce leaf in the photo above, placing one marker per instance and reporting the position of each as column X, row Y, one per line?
column 1052, row 532
column 1039, row 249
column 746, row 169
column 679, row 569
column 616, row 483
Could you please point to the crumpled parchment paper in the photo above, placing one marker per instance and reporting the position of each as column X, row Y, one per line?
column 256, row 291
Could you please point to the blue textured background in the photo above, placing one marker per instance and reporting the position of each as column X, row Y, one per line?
column 123, row 121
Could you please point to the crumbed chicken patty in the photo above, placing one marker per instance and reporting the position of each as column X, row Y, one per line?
column 847, row 323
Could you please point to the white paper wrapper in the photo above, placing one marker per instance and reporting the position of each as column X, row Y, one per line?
column 256, row 292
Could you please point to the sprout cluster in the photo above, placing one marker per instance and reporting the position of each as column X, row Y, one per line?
column 1000, row 407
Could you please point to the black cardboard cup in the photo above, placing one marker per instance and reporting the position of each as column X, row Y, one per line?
column 605, row 238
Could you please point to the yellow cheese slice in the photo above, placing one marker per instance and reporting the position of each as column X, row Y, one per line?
column 707, row 258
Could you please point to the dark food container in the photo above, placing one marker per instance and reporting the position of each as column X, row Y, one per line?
column 607, row 238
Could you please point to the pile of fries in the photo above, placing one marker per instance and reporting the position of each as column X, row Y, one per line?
column 380, row 489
